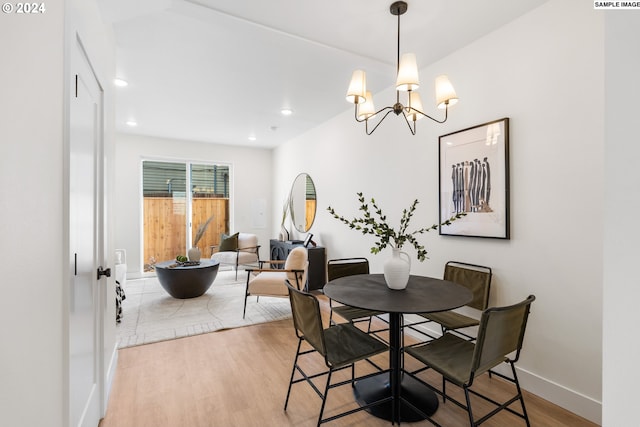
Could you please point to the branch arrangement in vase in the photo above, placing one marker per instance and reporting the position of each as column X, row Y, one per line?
column 202, row 228
column 376, row 224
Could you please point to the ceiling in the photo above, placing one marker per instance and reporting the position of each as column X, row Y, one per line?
column 221, row 70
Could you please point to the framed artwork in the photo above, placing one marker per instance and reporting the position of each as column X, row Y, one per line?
column 474, row 179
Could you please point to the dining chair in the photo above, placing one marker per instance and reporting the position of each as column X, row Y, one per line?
column 477, row 279
column 343, row 267
column 460, row 361
column 341, row 346
column 270, row 282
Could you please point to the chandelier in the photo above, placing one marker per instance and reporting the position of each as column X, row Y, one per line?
column 407, row 81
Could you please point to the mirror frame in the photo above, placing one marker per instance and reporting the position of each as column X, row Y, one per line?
column 294, row 202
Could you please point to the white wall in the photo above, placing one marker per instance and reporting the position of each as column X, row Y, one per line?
column 545, row 72
column 621, row 350
column 33, row 84
column 250, row 184
column 31, row 127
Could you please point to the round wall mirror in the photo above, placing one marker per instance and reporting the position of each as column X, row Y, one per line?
column 302, row 202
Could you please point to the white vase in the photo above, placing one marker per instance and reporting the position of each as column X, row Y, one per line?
column 194, row 254
column 396, row 269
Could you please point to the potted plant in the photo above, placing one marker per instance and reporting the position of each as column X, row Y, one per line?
column 194, row 253
column 374, row 221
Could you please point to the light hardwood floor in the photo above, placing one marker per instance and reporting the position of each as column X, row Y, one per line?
column 239, row 378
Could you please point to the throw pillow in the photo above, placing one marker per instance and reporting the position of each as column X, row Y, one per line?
column 228, row 243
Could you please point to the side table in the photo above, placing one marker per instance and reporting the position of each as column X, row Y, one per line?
column 317, row 274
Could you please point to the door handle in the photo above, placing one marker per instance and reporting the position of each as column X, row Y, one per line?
column 103, row 272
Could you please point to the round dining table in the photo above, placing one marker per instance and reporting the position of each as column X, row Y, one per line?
column 422, row 295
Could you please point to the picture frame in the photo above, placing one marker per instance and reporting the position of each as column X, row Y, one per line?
column 474, row 179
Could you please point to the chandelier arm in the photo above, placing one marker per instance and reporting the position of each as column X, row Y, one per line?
column 446, row 114
column 413, row 130
column 376, row 113
column 378, row 124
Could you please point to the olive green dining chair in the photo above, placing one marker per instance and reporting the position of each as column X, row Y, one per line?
column 460, row 361
column 477, row 279
column 340, row 345
column 343, row 267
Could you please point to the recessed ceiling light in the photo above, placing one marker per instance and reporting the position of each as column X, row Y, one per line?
column 132, row 123
column 286, row 112
column 252, row 138
column 120, row 83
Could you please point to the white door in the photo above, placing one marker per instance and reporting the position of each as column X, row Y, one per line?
column 85, row 218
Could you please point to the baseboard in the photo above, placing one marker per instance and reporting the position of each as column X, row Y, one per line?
column 562, row 396
column 558, row 394
column 109, row 375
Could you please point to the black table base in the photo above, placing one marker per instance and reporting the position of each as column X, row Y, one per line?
column 188, row 281
column 378, row 387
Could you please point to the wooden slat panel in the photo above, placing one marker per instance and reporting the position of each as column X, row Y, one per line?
column 202, row 209
column 164, row 226
column 310, row 211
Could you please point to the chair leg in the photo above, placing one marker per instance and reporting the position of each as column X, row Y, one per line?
column 245, row 306
column 469, row 411
column 444, row 390
column 246, row 295
column 293, row 372
column 237, row 259
column 324, row 396
column 517, row 383
column 353, row 375
column 331, row 321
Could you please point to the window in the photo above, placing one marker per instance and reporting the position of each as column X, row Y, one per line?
column 172, row 215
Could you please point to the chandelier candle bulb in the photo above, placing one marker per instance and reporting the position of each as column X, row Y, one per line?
column 356, row 93
column 367, row 110
column 408, row 73
column 415, row 107
column 445, row 93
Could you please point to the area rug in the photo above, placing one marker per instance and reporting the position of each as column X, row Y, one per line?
column 151, row 315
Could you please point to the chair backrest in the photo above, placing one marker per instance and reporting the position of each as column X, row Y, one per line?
column 298, row 259
column 476, row 278
column 342, row 267
column 500, row 333
column 307, row 318
column 247, row 240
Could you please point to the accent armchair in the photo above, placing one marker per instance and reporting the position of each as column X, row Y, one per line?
column 271, row 282
column 236, row 250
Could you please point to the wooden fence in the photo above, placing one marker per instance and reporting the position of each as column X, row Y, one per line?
column 164, row 225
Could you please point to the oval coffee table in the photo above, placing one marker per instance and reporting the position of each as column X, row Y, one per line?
column 187, row 281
